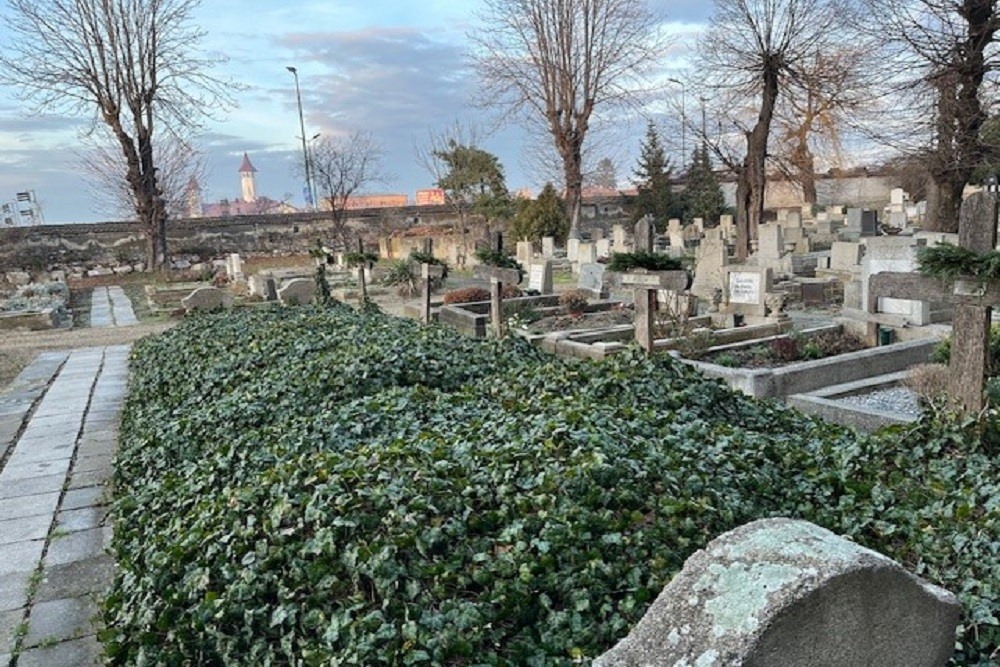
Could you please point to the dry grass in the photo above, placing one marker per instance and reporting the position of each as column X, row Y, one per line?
column 929, row 381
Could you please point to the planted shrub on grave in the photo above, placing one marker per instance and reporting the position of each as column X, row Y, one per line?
column 651, row 261
column 574, row 300
column 324, row 486
column 405, row 274
column 500, row 259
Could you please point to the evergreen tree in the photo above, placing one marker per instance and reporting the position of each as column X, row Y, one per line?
column 604, row 176
column 703, row 196
column 652, row 176
column 544, row 216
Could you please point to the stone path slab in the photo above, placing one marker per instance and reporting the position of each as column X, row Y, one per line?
column 111, row 307
column 58, row 436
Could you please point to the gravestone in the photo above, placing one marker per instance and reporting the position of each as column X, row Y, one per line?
column 207, row 298
column 498, row 277
column 646, row 285
column 592, row 278
column 619, row 242
column 846, row 256
column 603, row 248
column 699, row 224
column 548, row 247
column 793, row 219
column 854, row 219
column 540, row 277
column 586, row 253
column 710, row 260
column 972, row 301
column 897, row 219
column 788, row 593
column 869, row 223
column 298, row 292
column 745, row 289
column 263, row 285
column 806, row 211
column 525, row 252
column 676, row 233
column 234, row 267
column 727, row 226
column 644, row 234
column 596, row 234
column 572, row 246
column 770, row 245
column 897, row 255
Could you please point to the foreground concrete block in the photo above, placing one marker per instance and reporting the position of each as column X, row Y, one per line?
column 780, row 592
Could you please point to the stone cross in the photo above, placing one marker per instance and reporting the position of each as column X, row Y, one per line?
column 498, row 277
column 644, row 285
column 973, row 303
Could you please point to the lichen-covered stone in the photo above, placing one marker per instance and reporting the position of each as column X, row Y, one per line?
column 298, row 292
column 781, row 592
column 207, row 298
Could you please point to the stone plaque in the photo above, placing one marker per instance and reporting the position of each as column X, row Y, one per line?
column 540, row 277
column 592, row 278
column 744, row 288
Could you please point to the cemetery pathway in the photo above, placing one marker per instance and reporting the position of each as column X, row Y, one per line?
column 111, row 307
column 58, row 435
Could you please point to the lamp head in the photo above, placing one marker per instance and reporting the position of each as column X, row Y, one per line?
column 291, row 69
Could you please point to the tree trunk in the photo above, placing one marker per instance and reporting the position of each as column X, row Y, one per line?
column 573, row 172
column 753, row 178
column 944, row 200
column 805, row 166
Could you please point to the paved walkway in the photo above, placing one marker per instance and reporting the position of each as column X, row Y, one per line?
column 110, row 307
column 58, row 435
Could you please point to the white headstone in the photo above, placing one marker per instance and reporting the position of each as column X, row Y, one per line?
column 603, row 247
column 524, row 252
column 548, row 246
column 572, row 248
column 619, row 242
column 540, row 277
column 592, row 278
column 771, row 244
column 586, row 253
column 676, row 233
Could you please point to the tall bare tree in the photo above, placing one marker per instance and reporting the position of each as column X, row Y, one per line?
column 753, row 48
column 343, row 166
column 557, row 62
column 828, row 98
column 941, row 52
column 177, row 163
column 134, row 64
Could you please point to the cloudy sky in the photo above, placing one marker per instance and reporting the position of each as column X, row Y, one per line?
column 395, row 68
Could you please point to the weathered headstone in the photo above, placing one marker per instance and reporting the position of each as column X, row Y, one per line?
column 596, row 234
column 788, row 593
column 525, row 252
column 727, row 226
column 771, row 244
column 845, row 256
column 298, row 292
column 586, row 253
column 619, row 242
column 854, row 219
column 592, row 278
column 540, row 277
column 644, row 234
column 710, row 260
column 234, row 267
column 603, row 248
column 548, row 247
column 207, row 298
column 572, row 248
column 676, row 233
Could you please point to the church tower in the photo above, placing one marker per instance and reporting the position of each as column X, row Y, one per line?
column 248, row 180
column 192, row 199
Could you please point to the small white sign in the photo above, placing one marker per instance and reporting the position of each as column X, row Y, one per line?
column 744, row 288
column 536, row 278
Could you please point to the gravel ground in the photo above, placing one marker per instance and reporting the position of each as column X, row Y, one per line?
column 895, row 400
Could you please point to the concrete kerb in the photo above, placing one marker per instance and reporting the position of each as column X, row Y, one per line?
column 823, row 403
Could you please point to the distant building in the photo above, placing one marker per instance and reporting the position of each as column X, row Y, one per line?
column 389, row 200
column 248, row 203
column 430, row 197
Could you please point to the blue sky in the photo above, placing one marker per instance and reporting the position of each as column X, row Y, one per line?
column 395, row 68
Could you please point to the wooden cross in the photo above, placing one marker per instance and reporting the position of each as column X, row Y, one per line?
column 973, row 305
column 498, row 277
column 645, row 284
column 428, row 272
column 361, row 274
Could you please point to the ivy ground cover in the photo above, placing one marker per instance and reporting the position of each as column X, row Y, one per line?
column 313, row 486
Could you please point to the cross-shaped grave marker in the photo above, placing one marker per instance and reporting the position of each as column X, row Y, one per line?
column 973, row 304
column 645, row 285
column 428, row 272
column 498, row 277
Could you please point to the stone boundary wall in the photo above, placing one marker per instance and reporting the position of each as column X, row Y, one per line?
column 43, row 246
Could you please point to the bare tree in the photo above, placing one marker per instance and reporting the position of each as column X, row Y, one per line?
column 559, row 61
column 135, row 64
column 104, row 167
column 343, row 166
column 829, row 97
column 752, row 49
column 940, row 53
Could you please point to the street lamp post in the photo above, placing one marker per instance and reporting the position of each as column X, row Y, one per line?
column 305, row 151
column 683, row 121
